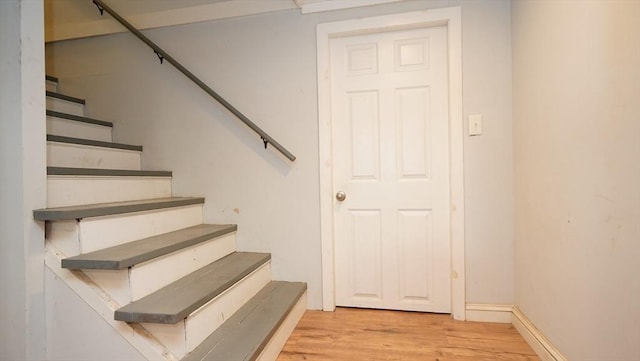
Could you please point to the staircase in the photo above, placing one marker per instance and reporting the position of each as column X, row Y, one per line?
column 159, row 284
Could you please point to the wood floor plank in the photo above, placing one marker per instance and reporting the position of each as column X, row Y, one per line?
column 362, row 334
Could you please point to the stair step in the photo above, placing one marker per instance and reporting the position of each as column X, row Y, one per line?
column 70, row 125
column 187, row 334
column 111, row 208
column 93, row 143
column 71, row 152
column 53, row 113
column 245, row 335
column 176, row 301
column 62, row 105
column 129, row 271
column 77, row 236
column 65, row 97
column 107, row 172
column 76, row 186
column 51, row 83
column 129, row 254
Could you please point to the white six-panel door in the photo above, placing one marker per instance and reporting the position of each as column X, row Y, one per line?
column 390, row 131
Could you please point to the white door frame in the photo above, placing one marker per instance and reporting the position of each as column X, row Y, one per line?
column 451, row 18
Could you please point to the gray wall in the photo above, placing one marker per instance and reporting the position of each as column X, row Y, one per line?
column 266, row 66
column 22, row 179
column 576, row 108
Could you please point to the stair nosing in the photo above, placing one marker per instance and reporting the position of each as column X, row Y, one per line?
column 51, row 78
column 55, row 114
column 112, row 208
column 256, row 310
column 107, row 172
column 64, row 97
column 176, row 291
column 93, row 143
column 162, row 245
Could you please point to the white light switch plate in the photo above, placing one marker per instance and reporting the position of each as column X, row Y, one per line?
column 475, row 124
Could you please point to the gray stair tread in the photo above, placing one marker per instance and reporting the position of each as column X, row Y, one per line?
column 93, row 143
column 245, row 334
column 177, row 300
column 132, row 253
column 65, row 97
column 51, row 78
column 52, row 113
column 107, row 172
column 105, row 209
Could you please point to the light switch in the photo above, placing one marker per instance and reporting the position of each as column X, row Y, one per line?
column 475, row 124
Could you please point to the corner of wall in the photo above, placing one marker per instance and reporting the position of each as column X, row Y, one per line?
column 541, row 345
column 536, row 339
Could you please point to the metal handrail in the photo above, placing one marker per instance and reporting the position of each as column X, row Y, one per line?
column 162, row 55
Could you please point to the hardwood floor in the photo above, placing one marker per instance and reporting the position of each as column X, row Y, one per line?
column 360, row 334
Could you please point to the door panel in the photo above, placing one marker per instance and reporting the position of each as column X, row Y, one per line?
column 363, row 117
column 365, row 254
column 413, row 132
column 414, row 247
column 390, row 130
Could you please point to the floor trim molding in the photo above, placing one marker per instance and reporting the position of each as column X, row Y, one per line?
column 484, row 312
column 536, row 339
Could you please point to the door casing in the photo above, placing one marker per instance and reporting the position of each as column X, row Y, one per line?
column 451, row 18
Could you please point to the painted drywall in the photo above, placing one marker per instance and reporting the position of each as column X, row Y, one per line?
column 576, row 91
column 70, row 319
column 266, row 66
column 22, row 179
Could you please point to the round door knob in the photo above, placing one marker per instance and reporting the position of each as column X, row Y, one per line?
column 341, row 196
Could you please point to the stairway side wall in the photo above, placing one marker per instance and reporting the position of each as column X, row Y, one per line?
column 76, row 331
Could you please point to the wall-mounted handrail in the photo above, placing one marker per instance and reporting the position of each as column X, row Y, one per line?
column 163, row 55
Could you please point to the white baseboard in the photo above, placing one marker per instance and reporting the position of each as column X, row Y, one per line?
column 483, row 312
column 538, row 342
column 541, row 345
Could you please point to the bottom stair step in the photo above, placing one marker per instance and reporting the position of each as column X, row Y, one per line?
column 244, row 336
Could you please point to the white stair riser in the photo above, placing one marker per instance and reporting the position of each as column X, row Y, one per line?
column 94, row 233
column 76, row 129
column 51, row 86
column 185, row 336
column 64, row 106
column 65, row 191
column 131, row 284
column 150, row 276
column 84, row 156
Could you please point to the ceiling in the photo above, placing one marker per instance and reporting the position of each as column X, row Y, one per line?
column 75, row 11
column 70, row 19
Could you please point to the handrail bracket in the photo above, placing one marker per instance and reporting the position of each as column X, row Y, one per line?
column 160, row 57
column 100, row 8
